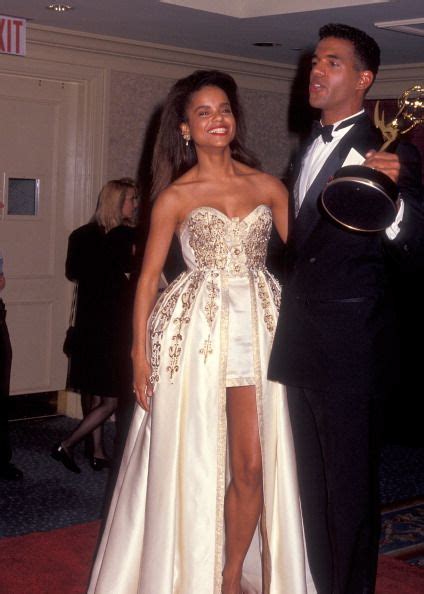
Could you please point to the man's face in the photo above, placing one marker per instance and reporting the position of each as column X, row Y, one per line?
column 337, row 84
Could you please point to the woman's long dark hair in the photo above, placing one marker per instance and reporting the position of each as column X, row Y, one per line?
column 171, row 158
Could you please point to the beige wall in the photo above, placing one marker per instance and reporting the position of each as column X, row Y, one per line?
column 267, row 136
column 133, row 100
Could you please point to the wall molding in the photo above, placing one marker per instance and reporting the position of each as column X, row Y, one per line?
column 113, row 53
column 393, row 80
column 153, row 59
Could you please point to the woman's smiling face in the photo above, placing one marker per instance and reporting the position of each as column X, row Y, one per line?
column 209, row 118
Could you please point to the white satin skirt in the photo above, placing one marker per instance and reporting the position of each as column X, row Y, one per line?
column 165, row 531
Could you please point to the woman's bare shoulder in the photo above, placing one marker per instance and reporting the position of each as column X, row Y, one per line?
column 168, row 201
column 272, row 181
column 174, row 201
column 269, row 184
column 260, row 176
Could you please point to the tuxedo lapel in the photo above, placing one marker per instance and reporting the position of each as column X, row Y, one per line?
column 294, row 185
column 309, row 213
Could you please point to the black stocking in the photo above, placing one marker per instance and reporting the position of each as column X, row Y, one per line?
column 87, row 405
column 94, row 419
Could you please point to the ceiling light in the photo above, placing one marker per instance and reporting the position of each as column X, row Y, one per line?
column 411, row 26
column 59, row 7
column 266, row 44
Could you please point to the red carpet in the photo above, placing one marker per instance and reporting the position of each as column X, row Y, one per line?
column 58, row 562
column 397, row 577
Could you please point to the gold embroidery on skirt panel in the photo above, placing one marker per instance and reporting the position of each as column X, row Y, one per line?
column 264, row 296
column 266, row 558
column 221, row 436
column 156, row 335
column 210, row 309
column 187, row 299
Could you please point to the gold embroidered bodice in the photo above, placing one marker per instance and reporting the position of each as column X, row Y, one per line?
column 224, row 257
column 218, row 242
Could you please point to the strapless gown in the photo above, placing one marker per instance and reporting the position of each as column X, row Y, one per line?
column 211, row 328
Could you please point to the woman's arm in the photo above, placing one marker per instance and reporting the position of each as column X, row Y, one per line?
column 164, row 220
column 73, row 258
column 279, row 205
column 86, row 257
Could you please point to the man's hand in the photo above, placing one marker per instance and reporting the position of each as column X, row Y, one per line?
column 387, row 163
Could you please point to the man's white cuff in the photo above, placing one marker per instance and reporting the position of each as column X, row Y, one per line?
column 394, row 228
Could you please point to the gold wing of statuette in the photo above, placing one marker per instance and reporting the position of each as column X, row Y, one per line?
column 390, row 130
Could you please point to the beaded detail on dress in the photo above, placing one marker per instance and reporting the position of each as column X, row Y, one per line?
column 231, row 244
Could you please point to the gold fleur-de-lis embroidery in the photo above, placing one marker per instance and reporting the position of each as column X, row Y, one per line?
column 210, row 309
column 155, row 356
column 160, row 317
column 187, row 300
column 207, row 348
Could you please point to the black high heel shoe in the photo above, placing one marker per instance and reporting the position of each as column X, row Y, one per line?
column 99, row 463
column 61, row 455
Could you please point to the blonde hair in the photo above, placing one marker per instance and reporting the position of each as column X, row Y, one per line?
column 110, row 202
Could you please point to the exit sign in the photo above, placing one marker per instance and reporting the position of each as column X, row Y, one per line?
column 12, row 35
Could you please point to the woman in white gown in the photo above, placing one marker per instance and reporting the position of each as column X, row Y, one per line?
column 206, row 501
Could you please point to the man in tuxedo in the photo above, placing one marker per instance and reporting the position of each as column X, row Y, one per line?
column 335, row 346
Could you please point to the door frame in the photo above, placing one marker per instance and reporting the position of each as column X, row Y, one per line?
column 86, row 175
column 91, row 117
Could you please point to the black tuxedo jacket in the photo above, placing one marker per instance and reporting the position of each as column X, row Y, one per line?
column 336, row 327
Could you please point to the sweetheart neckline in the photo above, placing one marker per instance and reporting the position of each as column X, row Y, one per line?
column 240, row 220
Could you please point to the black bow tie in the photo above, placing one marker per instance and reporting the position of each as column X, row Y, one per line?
column 319, row 130
column 326, row 131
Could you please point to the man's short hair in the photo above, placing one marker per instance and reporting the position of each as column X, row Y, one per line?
column 366, row 49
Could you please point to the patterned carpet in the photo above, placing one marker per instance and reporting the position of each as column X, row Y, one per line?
column 402, row 534
column 51, row 497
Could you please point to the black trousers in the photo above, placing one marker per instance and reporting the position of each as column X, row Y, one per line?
column 5, row 368
column 337, row 441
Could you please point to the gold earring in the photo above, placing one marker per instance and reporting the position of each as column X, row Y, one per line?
column 187, row 138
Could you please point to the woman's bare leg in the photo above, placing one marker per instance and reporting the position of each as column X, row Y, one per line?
column 244, row 497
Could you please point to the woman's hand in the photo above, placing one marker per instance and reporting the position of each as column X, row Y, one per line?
column 143, row 389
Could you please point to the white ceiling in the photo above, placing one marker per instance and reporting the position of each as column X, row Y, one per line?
column 231, row 26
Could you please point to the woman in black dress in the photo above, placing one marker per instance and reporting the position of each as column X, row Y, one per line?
column 100, row 259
